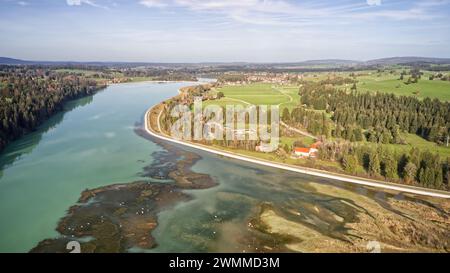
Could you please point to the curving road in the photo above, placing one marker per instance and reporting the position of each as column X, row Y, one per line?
column 291, row 168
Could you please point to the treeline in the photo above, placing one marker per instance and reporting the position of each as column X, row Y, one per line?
column 224, row 78
column 416, row 167
column 414, row 76
column 103, row 74
column 381, row 116
column 430, row 66
column 29, row 96
column 439, row 76
column 337, row 81
column 159, row 74
column 314, row 122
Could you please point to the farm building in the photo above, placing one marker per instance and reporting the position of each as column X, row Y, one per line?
column 308, row 152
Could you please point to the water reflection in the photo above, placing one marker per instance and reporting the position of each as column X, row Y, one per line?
column 27, row 143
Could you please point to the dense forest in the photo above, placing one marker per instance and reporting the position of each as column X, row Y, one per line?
column 355, row 119
column 316, row 123
column 160, row 75
column 231, row 78
column 381, row 116
column 416, row 167
column 30, row 95
column 358, row 157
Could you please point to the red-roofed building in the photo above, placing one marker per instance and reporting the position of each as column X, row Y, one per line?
column 302, row 152
column 308, row 152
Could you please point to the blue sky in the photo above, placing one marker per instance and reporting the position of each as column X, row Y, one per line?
column 222, row 30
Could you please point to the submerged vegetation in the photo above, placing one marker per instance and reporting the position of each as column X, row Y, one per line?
column 121, row 217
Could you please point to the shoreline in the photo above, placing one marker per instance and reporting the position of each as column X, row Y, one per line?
column 291, row 168
column 151, row 81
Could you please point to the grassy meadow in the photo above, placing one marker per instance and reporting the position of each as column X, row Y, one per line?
column 418, row 142
column 258, row 94
column 369, row 81
column 390, row 83
column 291, row 140
column 387, row 82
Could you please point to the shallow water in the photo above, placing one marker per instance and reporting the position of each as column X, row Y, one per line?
column 93, row 144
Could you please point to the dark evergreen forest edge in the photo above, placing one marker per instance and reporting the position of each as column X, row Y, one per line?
column 362, row 122
column 29, row 96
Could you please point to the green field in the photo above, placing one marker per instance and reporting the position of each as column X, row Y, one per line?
column 223, row 102
column 259, row 94
column 290, row 141
column 390, row 83
column 287, row 96
column 294, row 97
column 418, row 142
column 386, row 82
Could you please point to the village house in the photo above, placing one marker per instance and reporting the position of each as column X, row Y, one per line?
column 310, row 152
column 302, row 152
column 265, row 77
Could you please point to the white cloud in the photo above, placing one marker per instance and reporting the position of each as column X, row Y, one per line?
column 153, row 3
column 269, row 6
column 374, row 2
column 218, row 4
column 73, row 2
column 305, row 13
column 87, row 2
column 257, row 12
column 231, row 6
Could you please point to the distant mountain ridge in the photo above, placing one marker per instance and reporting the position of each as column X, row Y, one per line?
column 5, row 60
column 329, row 62
column 12, row 61
column 407, row 60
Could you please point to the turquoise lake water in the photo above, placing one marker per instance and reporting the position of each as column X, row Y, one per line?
column 91, row 144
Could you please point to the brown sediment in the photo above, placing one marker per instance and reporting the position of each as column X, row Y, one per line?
column 180, row 172
column 119, row 217
column 411, row 227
